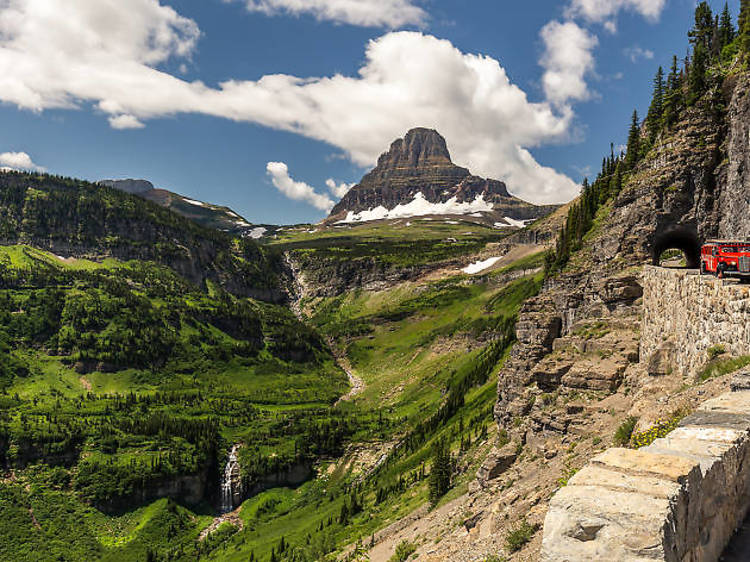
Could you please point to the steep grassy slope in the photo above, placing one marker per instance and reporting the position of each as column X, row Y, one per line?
column 426, row 352
column 75, row 218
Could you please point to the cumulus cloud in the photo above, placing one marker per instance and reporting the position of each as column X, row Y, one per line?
column 367, row 13
column 18, row 161
column 106, row 53
column 605, row 10
column 567, row 59
column 125, row 122
column 297, row 190
column 338, row 189
column 636, row 53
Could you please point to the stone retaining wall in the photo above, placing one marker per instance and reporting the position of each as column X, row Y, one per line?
column 678, row 500
column 685, row 314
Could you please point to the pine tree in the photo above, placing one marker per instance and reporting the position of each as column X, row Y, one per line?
column 634, row 143
column 655, row 112
column 703, row 31
column 440, row 473
column 744, row 26
column 673, row 95
column 697, row 84
column 726, row 27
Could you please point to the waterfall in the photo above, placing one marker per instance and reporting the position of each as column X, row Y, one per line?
column 230, row 482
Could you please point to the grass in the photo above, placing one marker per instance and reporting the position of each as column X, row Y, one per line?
column 721, row 367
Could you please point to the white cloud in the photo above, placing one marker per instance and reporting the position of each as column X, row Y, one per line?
column 605, row 10
column 18, row 161
column 338, row 189
column 368, row 13
column 297, row 190
column 636, row 53
column 66, row 53
column 568, row 58
column 125, row 122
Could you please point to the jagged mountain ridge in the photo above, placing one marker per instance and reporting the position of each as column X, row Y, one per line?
column 417, row 176
column 206, row 214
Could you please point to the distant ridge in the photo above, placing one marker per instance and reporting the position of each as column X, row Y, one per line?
column 206, row 214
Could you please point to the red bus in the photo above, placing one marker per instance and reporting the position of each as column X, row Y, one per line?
column 726, row 258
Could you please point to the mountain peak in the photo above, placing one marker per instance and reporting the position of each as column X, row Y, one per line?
column 416, row 177
column 420, row 147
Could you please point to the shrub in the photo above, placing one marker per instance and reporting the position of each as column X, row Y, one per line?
column 625, row 431
column 518, row 537
column 403, row 551
column 715, row 351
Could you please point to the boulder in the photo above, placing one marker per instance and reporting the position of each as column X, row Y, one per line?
column 497, row 462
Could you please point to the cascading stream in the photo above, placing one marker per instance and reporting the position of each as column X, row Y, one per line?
column 230, row 481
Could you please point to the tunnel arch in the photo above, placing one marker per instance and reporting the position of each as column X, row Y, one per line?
column 684, row 239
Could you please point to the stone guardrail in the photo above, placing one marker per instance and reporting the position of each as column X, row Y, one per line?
column 686, row 314
column 679, row 499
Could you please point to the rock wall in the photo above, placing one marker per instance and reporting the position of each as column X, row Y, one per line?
column 679, row 500
column 685, row 314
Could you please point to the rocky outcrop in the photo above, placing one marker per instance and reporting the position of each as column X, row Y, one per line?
column 421, row 163
column 734, row 200
column 685, row 315
column 497, row 462
column 679, row 499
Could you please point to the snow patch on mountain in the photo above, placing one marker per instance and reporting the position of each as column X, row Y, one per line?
column 478, row 267
column 419, row 207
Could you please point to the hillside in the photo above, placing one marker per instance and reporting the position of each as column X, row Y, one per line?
column 205, row 214
column 73, row 218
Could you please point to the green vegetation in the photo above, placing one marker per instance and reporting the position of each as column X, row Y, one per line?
column 715, row 350
column 522, row 534
column 440, row 472
column 404, row 550
column 721, row 367
column 661, row 428
column 625, row 431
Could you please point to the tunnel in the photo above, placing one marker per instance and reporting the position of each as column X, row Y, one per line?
column 684, row 239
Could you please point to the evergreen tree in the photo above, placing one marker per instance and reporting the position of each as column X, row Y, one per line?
column 634, row 143
column 697, row 84
column 440, row 473
column 656, row 111
column 672, row 95
column 703, row 31
column 726, row 27
column 744, row 26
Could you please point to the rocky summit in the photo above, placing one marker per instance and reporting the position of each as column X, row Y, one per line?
column 417, row 177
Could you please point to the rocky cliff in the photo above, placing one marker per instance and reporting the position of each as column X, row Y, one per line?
column 418, row 164
column 582, row 332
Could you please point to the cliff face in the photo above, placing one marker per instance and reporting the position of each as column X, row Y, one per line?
column 692, row 186
column 421, row 163
column 735, row 197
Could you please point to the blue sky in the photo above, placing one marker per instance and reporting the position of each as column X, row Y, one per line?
column 99, row 98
